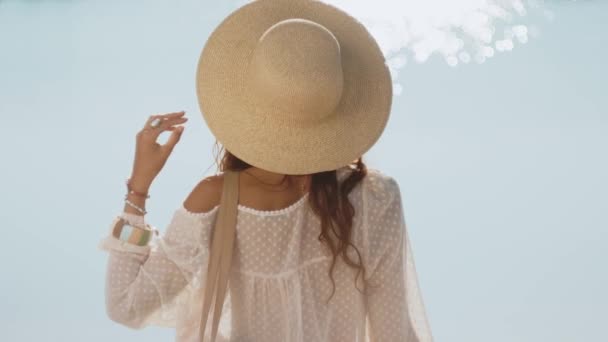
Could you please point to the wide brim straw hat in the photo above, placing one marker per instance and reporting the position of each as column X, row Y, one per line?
column 294, row 86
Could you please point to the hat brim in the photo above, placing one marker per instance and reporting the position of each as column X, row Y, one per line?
column 359, row 119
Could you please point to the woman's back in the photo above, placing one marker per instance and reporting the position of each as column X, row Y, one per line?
column 279, row 285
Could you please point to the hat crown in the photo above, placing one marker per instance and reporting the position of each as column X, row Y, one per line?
column 296, row 71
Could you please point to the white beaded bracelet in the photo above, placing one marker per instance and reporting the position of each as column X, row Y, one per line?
column 131, row 204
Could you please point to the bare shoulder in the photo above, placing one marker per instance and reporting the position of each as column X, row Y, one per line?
column 206, row 194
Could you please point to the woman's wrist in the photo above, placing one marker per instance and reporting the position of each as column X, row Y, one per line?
column 139, row 184
column 137, row 193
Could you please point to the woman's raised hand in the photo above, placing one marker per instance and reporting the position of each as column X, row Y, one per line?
column 150, row 157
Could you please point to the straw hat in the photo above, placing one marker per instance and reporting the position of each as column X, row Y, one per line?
column 293, row 86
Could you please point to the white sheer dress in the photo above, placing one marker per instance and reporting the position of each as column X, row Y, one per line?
column 279, row 284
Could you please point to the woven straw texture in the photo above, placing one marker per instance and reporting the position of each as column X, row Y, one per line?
column 268, row 122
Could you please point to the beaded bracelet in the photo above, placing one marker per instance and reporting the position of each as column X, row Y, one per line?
column 131, row 191
column 140, row 194
column 133, row 205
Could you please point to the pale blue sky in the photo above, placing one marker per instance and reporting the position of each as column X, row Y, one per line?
column 502, row 167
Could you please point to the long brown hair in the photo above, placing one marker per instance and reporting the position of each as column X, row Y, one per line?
column 328, row 199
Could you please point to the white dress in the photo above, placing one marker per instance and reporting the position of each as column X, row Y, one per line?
column 279, row 283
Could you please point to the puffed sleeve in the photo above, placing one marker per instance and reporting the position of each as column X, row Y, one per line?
column 144, row 284
column 395, row 308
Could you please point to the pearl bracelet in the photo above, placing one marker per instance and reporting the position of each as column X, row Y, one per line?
column 133, row 205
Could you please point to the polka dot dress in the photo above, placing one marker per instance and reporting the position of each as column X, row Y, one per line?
column 279, row 285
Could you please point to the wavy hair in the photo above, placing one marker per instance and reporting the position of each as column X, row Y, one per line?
column 328, row 199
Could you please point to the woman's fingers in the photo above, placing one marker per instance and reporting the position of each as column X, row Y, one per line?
column 170, row 115
column 173, row 139
column 166, row 121
column 181, row 112
column 171, row 122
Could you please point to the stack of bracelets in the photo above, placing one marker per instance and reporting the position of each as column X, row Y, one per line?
column 125, row 231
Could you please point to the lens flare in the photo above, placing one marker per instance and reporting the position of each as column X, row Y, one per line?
column 459, row 31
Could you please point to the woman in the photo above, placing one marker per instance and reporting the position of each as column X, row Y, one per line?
column 296, row 92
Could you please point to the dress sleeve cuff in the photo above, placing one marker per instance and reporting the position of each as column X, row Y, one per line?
column 136, row 220
column 109, row 243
